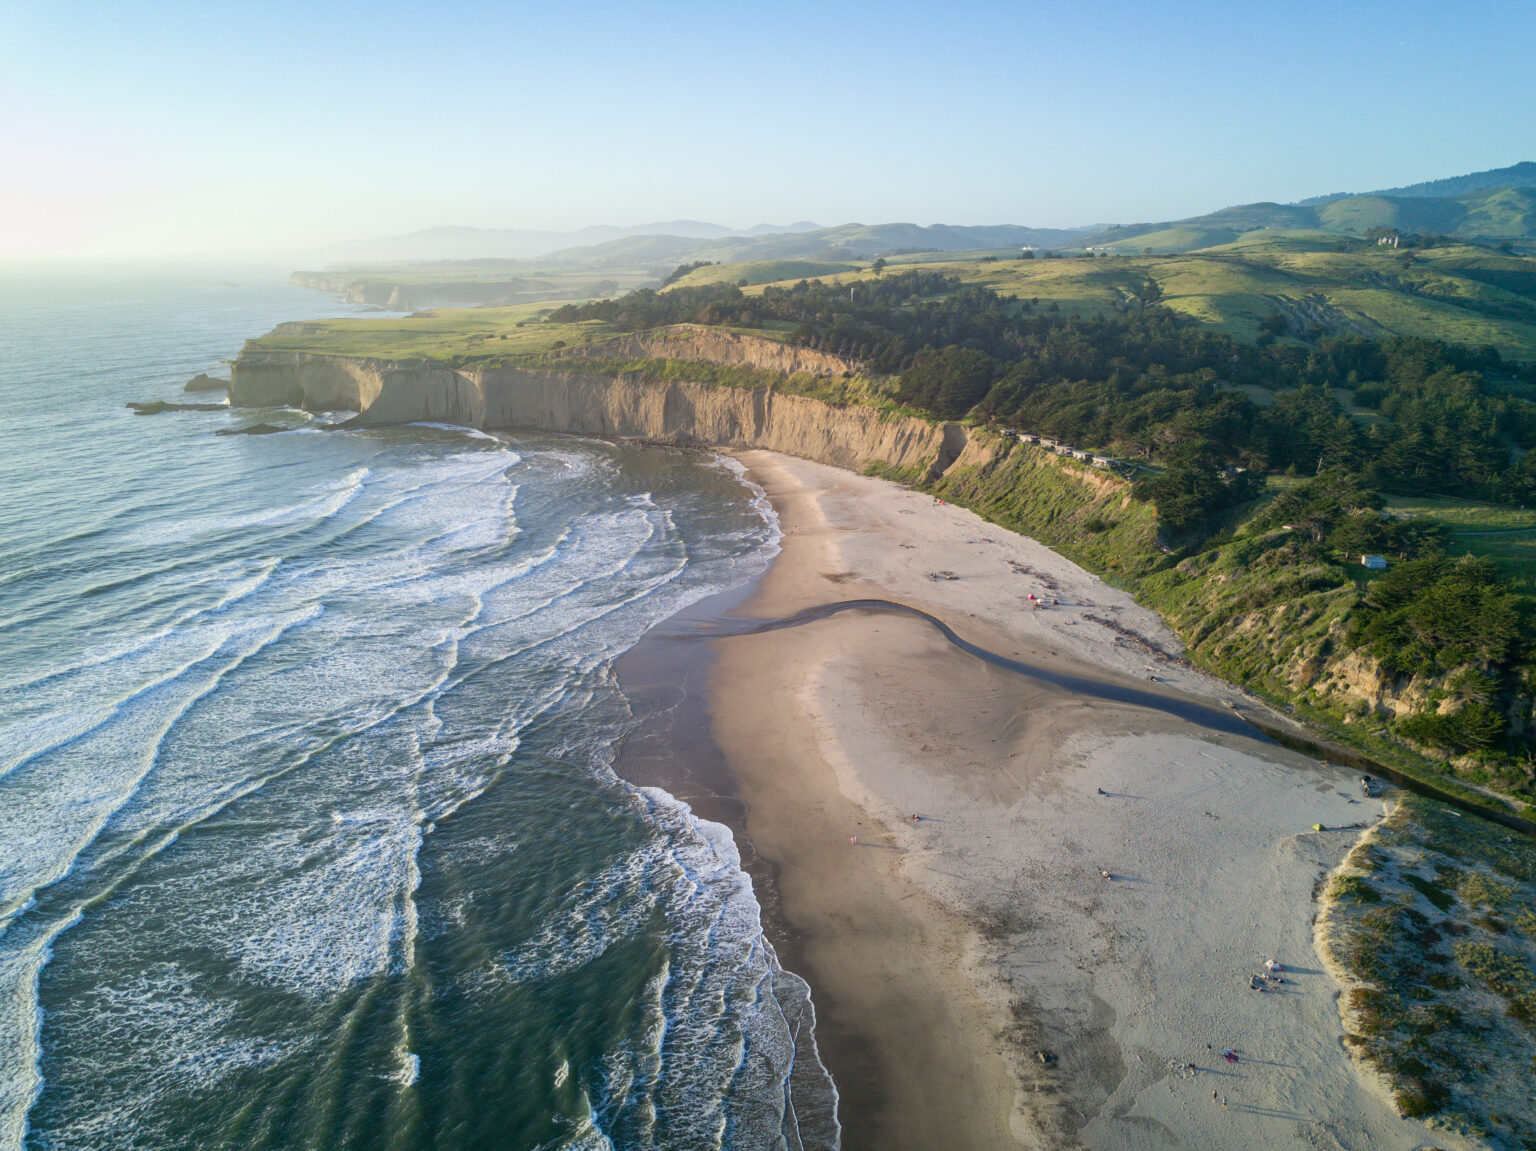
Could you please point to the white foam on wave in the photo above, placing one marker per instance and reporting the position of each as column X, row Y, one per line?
column 63, row 798
column 467, row 432
column 585, row 1136
column 320, row 507
column 198, row 1041
column 47, row 708
column 409, row 1068
column 727, row 1036
column 322, row 895
column 761, row 504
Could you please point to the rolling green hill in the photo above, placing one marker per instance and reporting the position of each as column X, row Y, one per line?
column 1233, row 269
column 1506, row 213
column 1460, row 292
column 1521, row 175
column 847, row 241
column 761, row 272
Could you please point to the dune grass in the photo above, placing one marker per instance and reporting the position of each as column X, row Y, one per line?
column 1432, row 923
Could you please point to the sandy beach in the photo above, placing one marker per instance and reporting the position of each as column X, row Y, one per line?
column 979, row 982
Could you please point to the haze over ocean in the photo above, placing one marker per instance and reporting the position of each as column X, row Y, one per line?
column 308, row 832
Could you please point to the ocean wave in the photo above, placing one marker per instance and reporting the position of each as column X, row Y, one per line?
column 59, row 799
column 199, row 1041
column 761, row 504
column 320, row 507
column 459, row 429
column 301, row 729
column 727, row 1041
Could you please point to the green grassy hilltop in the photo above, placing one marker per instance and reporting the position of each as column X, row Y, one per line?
column 1459, row 293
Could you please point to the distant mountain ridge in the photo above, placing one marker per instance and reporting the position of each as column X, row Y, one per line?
column 853, row 241
column 467, row 243
column 1521, row 175
column 683, row 240
column 1498, row 204
column 1496, row 213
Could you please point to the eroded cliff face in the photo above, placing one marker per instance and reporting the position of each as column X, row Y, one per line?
column 380, row 391
column 394, row 392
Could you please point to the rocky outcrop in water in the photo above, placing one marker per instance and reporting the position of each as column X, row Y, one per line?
column 203, row 382
column 156, row 407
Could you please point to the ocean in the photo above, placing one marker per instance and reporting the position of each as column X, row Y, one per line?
column 309, row 829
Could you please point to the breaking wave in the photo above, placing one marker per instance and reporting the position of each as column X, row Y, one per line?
column 306, row 809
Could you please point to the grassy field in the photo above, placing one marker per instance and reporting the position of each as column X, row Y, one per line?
column 1459, row 293
column 1503, row 534
column 450, row 335
column 473, row 282
column 1179, row 239
column 762, row 272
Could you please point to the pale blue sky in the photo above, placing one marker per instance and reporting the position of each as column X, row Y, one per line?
column 169, row 128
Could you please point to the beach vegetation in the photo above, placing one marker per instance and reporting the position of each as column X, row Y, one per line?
column 1437, row 896
column 1440, row 996
column 1354, row 887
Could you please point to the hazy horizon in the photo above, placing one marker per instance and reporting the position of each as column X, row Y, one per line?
column 277, row 132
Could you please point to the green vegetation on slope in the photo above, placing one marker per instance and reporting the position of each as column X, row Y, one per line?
column 1433, row 921
column 1456, row 293
column 1085, row 514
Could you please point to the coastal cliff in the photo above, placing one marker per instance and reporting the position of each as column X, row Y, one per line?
column 596, row 404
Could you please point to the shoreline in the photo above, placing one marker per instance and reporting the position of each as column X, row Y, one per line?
column 946, row 953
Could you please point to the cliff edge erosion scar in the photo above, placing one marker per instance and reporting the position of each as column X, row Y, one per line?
column 681, row 412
